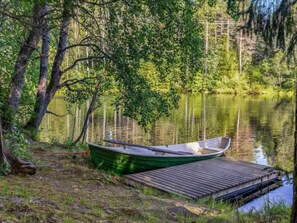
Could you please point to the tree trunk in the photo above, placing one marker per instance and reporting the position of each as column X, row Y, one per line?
column 36, row 119
column 18, row 166
column 89, row 112
column 18, row 79
column 228, row 35
column 56, row 70
column 240, row 52
column 294, row 205
column 206, row 53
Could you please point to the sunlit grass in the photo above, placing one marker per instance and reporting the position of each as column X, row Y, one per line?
column 67, row 190
column 271, row 211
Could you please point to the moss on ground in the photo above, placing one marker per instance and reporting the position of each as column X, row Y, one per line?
column 68, row 189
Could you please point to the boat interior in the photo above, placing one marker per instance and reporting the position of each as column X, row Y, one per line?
column 204, row 147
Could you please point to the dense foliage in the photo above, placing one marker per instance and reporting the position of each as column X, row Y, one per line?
column 111, row 42
column 145, row 49
column 143, row 52
column 235, row 62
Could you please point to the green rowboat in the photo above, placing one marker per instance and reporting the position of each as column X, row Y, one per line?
column 132, row 158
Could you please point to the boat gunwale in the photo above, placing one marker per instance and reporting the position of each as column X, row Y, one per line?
column 108, row 148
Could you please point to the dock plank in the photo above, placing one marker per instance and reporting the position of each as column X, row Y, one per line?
column 209, row 178
column 185, row 184
column 214, row 177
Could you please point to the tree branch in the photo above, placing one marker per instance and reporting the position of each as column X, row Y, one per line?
column 79, row 60
column 90, row 15
column 52, row 113
column 96, row 93
column 103, row 3
column 74, row 81
column 80, row 44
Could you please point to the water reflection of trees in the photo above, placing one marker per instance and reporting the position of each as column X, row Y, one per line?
column 275, row 132
column 251, row 122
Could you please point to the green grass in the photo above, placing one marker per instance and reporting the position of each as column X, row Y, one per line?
column 70, row 190
column 270, row 212
column 150, row 191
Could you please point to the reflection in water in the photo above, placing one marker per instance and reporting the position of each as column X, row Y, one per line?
column 282, row 194
column 261, row 128
column 254, row 124
column 259, row 156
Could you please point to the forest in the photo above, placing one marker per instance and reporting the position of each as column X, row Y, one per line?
column 144, row 53
column 216, row 56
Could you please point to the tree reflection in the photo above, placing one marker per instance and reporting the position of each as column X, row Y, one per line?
column 253, row 123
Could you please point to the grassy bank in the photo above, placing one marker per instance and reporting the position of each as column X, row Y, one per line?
column 67, row 189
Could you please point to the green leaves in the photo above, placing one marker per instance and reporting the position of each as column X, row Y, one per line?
column 161, row 34
column 146, row 105
column 123, row 38
column 272, row 71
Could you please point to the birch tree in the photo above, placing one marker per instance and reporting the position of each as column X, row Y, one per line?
column 121, row 35
column 23, row 58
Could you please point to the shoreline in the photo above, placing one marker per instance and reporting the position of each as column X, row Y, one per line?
column 69, row 189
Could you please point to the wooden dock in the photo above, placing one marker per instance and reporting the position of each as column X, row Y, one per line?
column 220, row 178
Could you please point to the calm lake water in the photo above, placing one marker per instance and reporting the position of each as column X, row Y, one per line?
column 261, row 128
